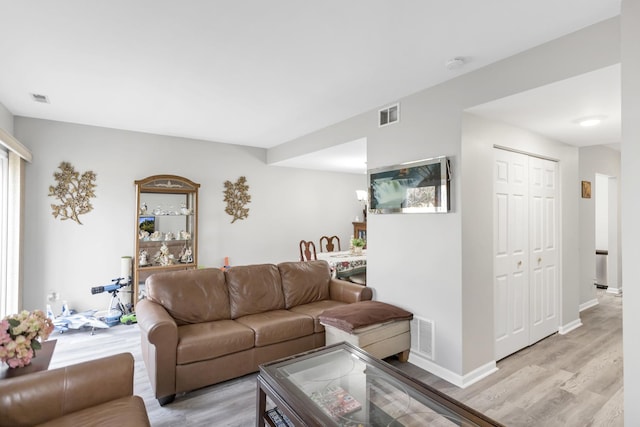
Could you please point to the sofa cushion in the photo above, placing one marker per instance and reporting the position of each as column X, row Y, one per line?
column 126, row 411
column 315, row 309
column 254, row 289
column 304, row 282
column 209, row 340
column 191, row 296
column 276, row 326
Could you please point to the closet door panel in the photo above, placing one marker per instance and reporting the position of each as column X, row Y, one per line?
column 543, row 258
column 511, row 248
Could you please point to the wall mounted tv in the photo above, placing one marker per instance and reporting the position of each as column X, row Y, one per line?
column 413, row 187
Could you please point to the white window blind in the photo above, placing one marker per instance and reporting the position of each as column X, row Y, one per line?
column 5, row 304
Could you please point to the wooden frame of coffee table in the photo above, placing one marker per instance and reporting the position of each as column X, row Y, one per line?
column 303, row 412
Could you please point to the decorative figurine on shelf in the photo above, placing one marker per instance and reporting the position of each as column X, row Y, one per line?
column 156, row 235
column 187, row 256
column 143, row 209
column 185, row 235
column 143, row 258
column 169, row 236
column 163, row 257
column 184, row 210
column 143, row 235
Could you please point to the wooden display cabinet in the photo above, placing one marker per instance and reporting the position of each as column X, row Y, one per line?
column 166, row 227
column 360, row 230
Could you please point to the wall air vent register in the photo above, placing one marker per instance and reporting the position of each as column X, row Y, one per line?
column 389, row 115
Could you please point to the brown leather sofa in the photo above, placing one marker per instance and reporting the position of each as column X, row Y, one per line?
column 201, row 327
column 96, row 393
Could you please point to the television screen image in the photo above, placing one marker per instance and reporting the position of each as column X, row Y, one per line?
column 147, row 223
column 414, row 187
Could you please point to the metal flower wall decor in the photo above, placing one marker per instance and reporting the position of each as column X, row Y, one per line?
column 74, row 192
column 237, row 196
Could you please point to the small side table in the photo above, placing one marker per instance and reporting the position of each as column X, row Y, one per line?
column 38, row 363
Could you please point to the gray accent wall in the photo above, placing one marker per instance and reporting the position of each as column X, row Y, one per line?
column 287, row 205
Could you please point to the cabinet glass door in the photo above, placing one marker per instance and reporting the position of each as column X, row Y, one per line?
column 166, row 227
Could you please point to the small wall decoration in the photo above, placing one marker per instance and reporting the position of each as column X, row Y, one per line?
column 74, row 191
column 586, row 189
column 237, row 196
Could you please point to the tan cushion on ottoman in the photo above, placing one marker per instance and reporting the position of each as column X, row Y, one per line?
column 364, row 313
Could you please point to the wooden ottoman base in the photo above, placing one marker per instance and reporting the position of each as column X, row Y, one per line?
column 380, row 340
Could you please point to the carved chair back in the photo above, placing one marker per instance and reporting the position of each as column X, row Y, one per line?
column 307, row 251
column 328, row 244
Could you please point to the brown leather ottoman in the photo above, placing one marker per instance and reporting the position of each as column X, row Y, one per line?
column 378, row 328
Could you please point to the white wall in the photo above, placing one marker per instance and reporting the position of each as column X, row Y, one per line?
column 6, row 119
column 479, row 138
column 287, row 205
column 600, row 200
column 593, row 161
column 630, row 182
column 427, row 263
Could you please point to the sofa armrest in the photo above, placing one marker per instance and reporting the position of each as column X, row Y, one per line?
column 42, row 396
column 349, row 292
column 159, row 341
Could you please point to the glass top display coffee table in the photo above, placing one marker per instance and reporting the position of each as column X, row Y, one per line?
column 340, row 385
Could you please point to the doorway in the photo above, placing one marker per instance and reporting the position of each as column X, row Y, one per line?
column 606, row 230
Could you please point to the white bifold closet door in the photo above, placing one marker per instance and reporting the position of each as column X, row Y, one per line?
column 525, row 248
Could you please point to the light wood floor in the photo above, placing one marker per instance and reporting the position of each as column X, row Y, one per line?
column 564, row 380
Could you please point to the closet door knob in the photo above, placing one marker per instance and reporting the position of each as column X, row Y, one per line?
column 519, row 264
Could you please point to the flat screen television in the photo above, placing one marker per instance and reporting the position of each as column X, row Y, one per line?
column 413, row 187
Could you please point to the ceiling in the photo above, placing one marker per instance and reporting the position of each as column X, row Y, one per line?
column 261, row 73
column 555, row 110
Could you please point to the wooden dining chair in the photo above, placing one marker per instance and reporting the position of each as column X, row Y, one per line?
column 329, row 244
column 307, row 251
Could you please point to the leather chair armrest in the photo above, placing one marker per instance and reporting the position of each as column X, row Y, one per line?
column 42, row 396
column 156, row 323
column 342, row 290
column 159, row 341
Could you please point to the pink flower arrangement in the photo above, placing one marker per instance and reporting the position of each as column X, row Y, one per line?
column 20, row 336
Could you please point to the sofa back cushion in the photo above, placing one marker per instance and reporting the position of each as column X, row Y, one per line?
column 304, row 282
column 191, row 296
column 254, row 289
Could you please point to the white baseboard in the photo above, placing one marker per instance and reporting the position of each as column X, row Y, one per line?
column 565, row 329
column 615, row 291
column 461, row 381
column 588, row 304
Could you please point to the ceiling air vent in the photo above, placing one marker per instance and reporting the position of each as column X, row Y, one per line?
column 40, row 98
column 389, row 115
